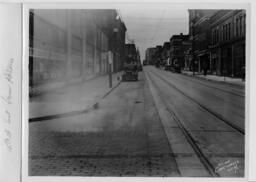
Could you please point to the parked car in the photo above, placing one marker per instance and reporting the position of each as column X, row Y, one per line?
column 130, row 70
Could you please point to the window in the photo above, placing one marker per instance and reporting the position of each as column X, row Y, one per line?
column 237, row 26
column 223, row 33
column 217, row 35
column 213, row 37
column 226, row 31
column 229, row 30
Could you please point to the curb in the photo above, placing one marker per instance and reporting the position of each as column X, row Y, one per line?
column 175, row 136
column 73, row 113
column 222, row 82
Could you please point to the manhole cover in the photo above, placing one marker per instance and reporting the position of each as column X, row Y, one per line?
column 137, row 102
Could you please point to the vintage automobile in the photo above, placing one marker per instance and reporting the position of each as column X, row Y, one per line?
column 130, row 70
column 173, row 66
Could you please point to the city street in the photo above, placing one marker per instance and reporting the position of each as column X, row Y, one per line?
column 165, row 124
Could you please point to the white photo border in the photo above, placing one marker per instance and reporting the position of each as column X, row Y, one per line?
column 117, row 5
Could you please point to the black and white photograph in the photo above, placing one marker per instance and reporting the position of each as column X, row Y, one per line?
column 137, row 92
column 140, row 91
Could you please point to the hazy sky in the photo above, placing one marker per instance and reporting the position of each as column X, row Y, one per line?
column 151, row 27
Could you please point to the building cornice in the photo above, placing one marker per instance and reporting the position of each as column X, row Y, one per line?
column 201, row 20
column 223, row 18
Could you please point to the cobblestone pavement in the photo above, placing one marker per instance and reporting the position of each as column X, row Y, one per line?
column 122, row 137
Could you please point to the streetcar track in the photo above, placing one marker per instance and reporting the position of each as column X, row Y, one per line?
column 218, row 116
column 217, row 96
column 204, row 160
column 171, row 154
column 217, row 88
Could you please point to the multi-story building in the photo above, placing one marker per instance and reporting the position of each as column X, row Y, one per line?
column 66, row 45
column 166, row 51
column 187, row 48
column 150, row 55
column 228, row 42
column 200, row 35
column 138, row 55
column 158, row 52
column 118, row 44
column 179, row 45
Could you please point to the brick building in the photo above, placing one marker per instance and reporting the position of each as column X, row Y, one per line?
column 150, row 55
column 200, row 35
column 67, row 45
column 179, row 45
column 158, row 52
column 228, row 42
column 166, row 51
column 118, row 44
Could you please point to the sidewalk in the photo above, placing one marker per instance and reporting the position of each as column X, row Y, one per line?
column 77, row 97
column 217, row 78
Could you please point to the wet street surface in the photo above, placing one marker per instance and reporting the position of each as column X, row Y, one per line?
column 165, row 124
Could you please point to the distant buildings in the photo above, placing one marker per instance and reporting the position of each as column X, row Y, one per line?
column 150, row 55
column 158, row 52
column 67, row 45
column 216, row 42
column 179, row 45
column 165, row 51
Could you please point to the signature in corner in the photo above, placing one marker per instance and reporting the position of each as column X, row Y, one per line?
column 8, row 115
column 8, row 71
column 7, row 140
column 228, row 165
column 8, row 97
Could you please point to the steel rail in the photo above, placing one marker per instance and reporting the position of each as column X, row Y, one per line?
column 237, row 128
column 204, row 160
column 217, row 88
